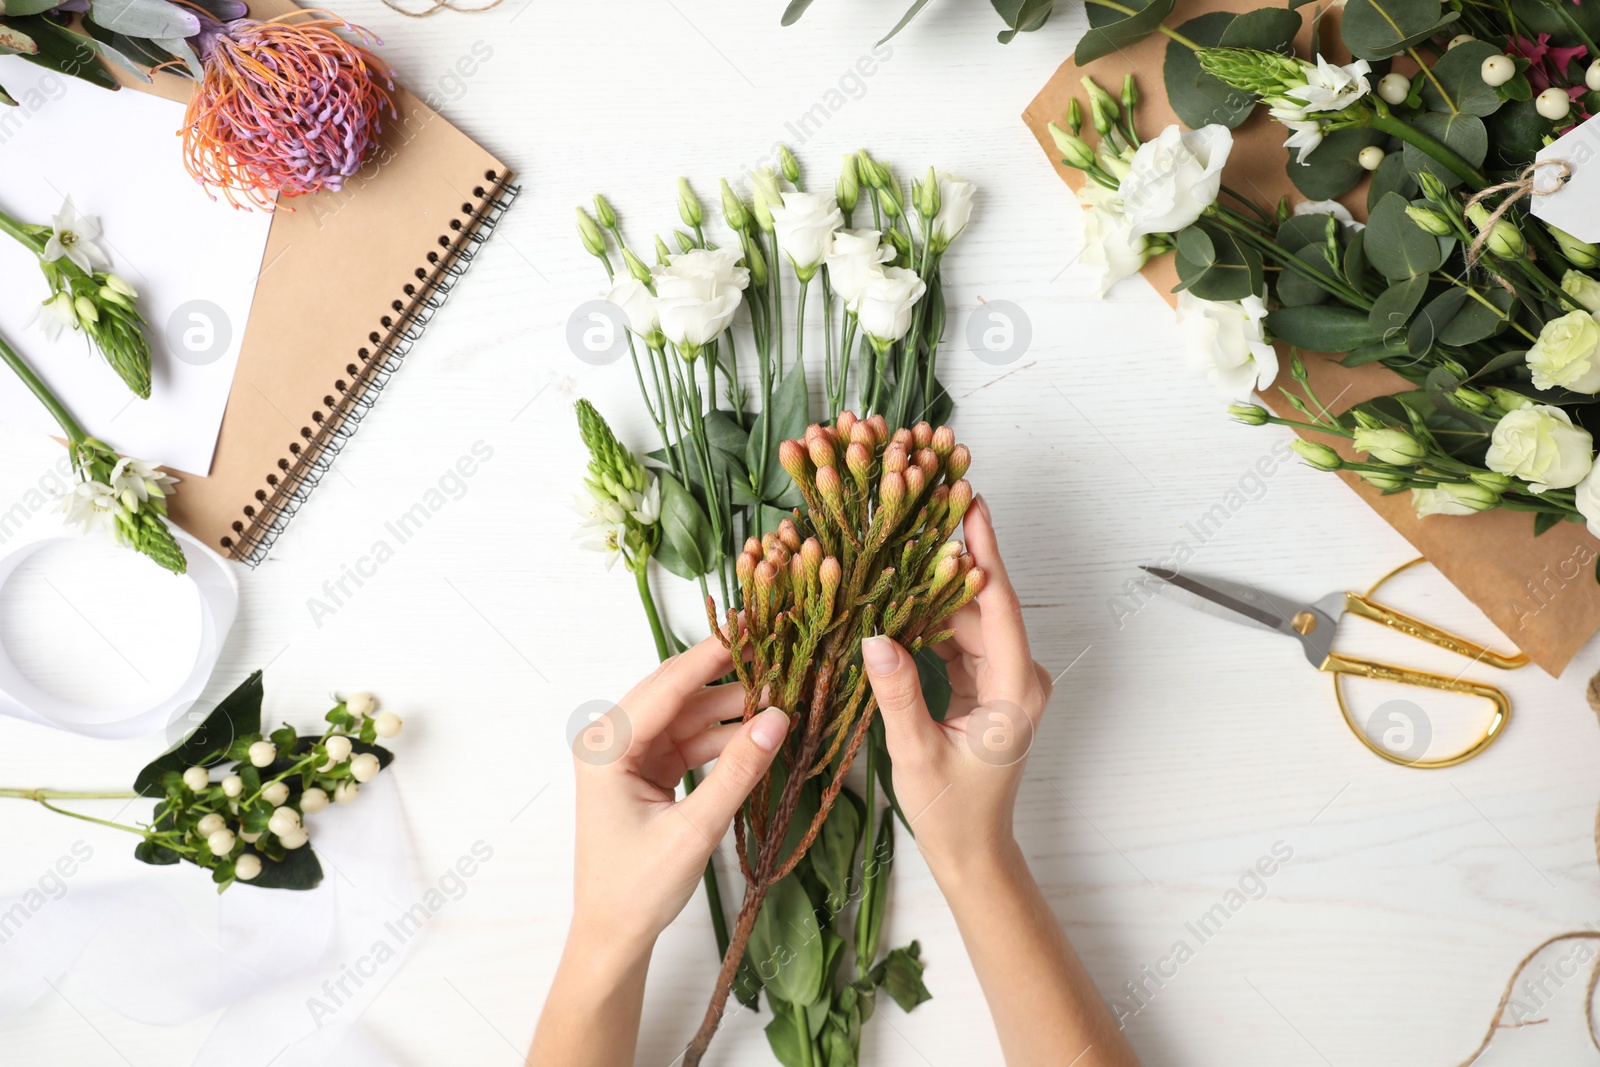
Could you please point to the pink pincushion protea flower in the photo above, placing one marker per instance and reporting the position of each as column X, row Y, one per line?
column 285, row 108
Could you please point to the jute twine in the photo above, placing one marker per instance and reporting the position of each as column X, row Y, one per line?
column 1495, row 1025
column 1523, row 185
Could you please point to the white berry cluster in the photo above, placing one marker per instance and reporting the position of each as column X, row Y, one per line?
column 253, row 815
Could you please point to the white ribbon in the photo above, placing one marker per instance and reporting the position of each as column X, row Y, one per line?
column 218, row 590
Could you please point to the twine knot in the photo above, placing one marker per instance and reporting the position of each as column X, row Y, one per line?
column 1540, row 178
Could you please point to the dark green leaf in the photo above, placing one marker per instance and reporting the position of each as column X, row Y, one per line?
column 1297, row 291
column 1543, row 521
column 934, row 674
column 1378, row 29
column 791, row 413
column 18, row 8
column 64, row 51
column 298, row 869
column 1391, row 312
column 686, row 547
column 1198, row 98
column 1464, row 134
column 1322, row 327
column 875, row 901
column 1355, row 261
column 1225, row 268
column 786, row 944
column 1298, row 231
column 1334, row 168
column 1390, row 177
column 833, row 855
column 905, row 20
column 239, row 713
column 1432, row 320
column 1393, row 347
column 1111, row 30
column 900, row 975
column 785, row 1036
column 1474, row 322
column 1460, row 72
column 1022, row 16
column 1519, row 132
column 150, row 852
column 796, row 8
column 1398, row 247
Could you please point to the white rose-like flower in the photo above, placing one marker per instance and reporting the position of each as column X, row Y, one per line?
column 804, row 223
column 247, row 867
column 262, row 753
column 1582, row 288
column 220, row 842
column 955, row 209
column 1588, row 499
column 210, row 823
column 855, row 255
column 275, row 793
column 883, row 307
column 697, row 294
column 637, row 304
column 196, row 778
column 1567, row 353
column 360, row 704
column 365, row 767
column 313, row 800
column 1539, row 444
column 1174, row 178
column 1108, row 239
column 388, row 724
column 1226, row 339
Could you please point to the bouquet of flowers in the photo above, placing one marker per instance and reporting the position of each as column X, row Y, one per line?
column 1485, row 310
column 819, row 534
column 248, row 825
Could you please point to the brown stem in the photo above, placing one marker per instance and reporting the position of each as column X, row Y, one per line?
column 754, row 894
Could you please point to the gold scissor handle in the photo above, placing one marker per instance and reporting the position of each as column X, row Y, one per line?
column 1337, row 664
column 1363, row 605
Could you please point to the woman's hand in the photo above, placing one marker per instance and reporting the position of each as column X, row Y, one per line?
column 957, row 780
column 640, row 853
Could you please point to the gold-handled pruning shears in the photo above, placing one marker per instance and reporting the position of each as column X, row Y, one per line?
column 1314, row 624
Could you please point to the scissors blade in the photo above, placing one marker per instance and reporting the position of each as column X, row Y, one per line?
column 1230, row 600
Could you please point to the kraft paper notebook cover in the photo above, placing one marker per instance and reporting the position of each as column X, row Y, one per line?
column 348, row 282
column 1541, row 592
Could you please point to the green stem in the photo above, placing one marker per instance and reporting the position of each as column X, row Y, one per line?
column 14, row 228
column 1384, row 121
column 1173, row 34
column 1428, row 72
column 63, row 417
column 65, row 794
column 90, row 818
column 641, row 577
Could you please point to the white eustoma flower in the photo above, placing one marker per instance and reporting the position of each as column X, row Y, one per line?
column 1588, row 499
column 1567, row 354
column 73, row 236
column 804, row 224
column 1329, row 207
column 884, row 305
column 637, row 304
column 1108, row 239
column 1539, row 444
column 93, row 507
column 955, row 209
column 56, row 314
column 1330, row 87
column 697, row 294
column 1172, row 179
column 1582, row 288
column 1226, row 339
column 855, row 255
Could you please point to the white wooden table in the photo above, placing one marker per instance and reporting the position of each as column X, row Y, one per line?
column 1178, row 752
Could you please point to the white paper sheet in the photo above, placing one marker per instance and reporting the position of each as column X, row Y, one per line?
column 119, row 157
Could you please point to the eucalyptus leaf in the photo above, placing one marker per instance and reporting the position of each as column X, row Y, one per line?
column 1398, row 247
column 1021, row 16
column 1297, row 231
column 1390, row 177
column 1475, row 322
column 1518, row 132
column 1460, row 72
column 1464, row 134
column 1111, row 31
column 1432, row 319
column 1355, row 261
column 1391, row 312
column 1294, row 290
column 144, row 18
column 1392, row 347
column 1322, row 327
column 1335, row 167
column 1198, row 98
column 1378, row 29
column 1223, row 267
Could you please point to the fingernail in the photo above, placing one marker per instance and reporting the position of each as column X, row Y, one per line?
column 880, row 655
column 769, row 729
column 983, row 506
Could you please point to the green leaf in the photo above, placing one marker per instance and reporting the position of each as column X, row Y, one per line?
column 686, row 547
column 796, row 8
column 64, row 51
column 833, row 855
column 905, row 20
column 299, row 869
column 1398, row 247
column 875, row 901
column 786, row 944
column 1390, row 177
column 900, row 975
column 1214, row 264
column 791, row 413
column 1393, row 347
column 1378, row 29
column 239, row 713
column 144, row 18
column 159, row 855
column 1334, row 168
column 1518, row 132
column 1432, row 320
column 1198, row 98
column 934, row 674
column 1355, row 261
column 1021, row 16
column 1297, row 231
column 1391, row 312
column 785, row 1036
column 1464, row 134
column 1296, row 291
column 1111, row 31
column 1475, row 322
column 1321, row 327
column 14, row 42
column 1543, row 521
column 1460, row 71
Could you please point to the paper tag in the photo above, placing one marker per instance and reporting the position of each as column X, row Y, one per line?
column 1575, row 205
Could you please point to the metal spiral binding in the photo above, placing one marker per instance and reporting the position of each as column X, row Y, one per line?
column 354, row 394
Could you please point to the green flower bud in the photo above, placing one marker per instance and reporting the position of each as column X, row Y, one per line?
column 1390, row 446
column 686, row 242
column 1507, row 399
column 1473, row 400
column 1249, row 414
column 766, row 194
column 1505, row 241
column 1074, row 116
column 662, row 251
column 870, row 172
column 636, row 266
column 847, row 191
column 689, row 209
column 1432, row 187
column 925, row 195
column 757, row 263
column 789, row 164
column 1130, row 94
column 734, row 213
column 1103, row 107
column 602, row 210
column 1491, row 480
column 1384, row 480
column 1319, row 456
column 1429, row 219
column 594, row 239
column 1075, row 151
column 88, row 314
column 1578, row 253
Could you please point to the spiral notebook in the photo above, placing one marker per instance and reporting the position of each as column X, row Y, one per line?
column 348, row 283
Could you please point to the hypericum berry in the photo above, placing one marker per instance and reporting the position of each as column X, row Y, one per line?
column 275, row 793
column 345, row 792
column 1370, row 157
column 220, row 843
column 284, row 821
column 313, row 800
column 365, row 767
column 1458, row 40
column 1554, row 104
column 262, row 753
column 232, row 786
column 1591, row 77
column 210, row 823
column 197, row 778
column 360, row 704
column 1497, row 70
column 249, row 838
column 338, row 748
column 247, row 866
column 387, row 724
column 294, row 839
column 1394, row 88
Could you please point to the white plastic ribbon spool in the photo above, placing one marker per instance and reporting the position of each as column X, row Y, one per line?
column 218, row 603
